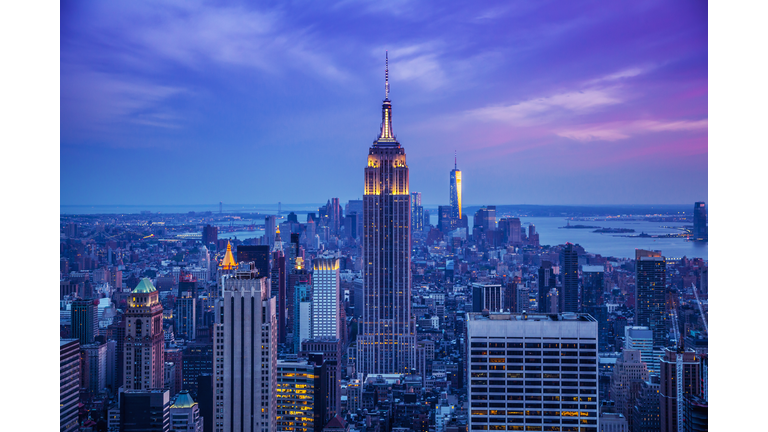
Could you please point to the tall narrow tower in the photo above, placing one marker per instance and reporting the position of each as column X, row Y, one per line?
column 143, row 349
column 455, row 191
column 386, row 343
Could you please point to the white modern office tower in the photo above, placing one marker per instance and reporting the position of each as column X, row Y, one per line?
column 387, row 339
column 641, row 338
column 245, row 355
column 326, row 298
column 532, row 371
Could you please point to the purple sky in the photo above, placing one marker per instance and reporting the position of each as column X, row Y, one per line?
column 545, row 102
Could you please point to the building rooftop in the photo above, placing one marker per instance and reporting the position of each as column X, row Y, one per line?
column 183, row 400
column 506, row 316
column 144, row 287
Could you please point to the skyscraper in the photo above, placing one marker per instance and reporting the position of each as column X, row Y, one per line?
column 417, row 212
column 326, row 298
column 700, row 222
column 69, row 384
column 650, row 293
column 487, row 296
column 546, row 282
column 85, row 323
column 387, row 342
column 210, row 234
column 679, row 379
column 592, row 284
column 521, row 363
column 143, row 349
column 569, row 293
column 259, row 255
column 455, row 198
column 246, row 355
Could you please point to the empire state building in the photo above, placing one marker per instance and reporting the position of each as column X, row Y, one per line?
column 387, row 341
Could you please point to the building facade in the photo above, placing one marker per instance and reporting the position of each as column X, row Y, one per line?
column 326, row 298
column 245, row 355
column 69, row 384
column 650, row 293
column 569, row 275
column 455, row 192
column 527, row 372
column 144, row 339
column 386, row 342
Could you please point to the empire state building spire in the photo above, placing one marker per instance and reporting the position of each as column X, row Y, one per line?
column 386, row 136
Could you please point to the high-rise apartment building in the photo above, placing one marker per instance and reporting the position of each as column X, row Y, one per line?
column 326, row 298
column 245, row 354
column 679, row 379
column 569, row 275
column 700, row 222
column 532, row 371
column 143, row 348
column 646, row 412
column 455, row 198
column 69, row 384
column 650, row 293
column 386, row 342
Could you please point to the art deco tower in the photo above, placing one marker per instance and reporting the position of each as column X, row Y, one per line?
column 386, row 343
column 143, row 349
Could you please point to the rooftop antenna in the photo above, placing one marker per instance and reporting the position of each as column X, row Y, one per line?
column 454, row 160
column 386, row 75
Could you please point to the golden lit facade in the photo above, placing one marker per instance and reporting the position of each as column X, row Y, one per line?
column 386, row 343
column 143, row 360
column 456, row 194
column 295, row 396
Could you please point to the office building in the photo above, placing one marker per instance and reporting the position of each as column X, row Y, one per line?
column 270, row 226
column 455, row 195
column 85, row 320
column 650, row 293
column 185, row 316
column 259, row 255
column 197, row 359
column 445, row 222
column 326, row 298
column 94, row 371
column 487, row 297
column 210, row 235
column 512, row 231
column 417, row 213
column 302, row 315
column 185, row 414
column 298, row 397
column 386, row 341
column 278, row 283
column 592, row 283
column 613, row 422
column 679, row 379
column 529, row 371
column 647, row 411
column 245, row 354
column 641, row 338
column 143, row 348
column 330, row 349
column 69, row 384
column 298, row 276
column 485, row 219
column 145, row 411
column 696, row 417
column 700, row 222
column 627, row 376
column 546, row 282
column 569, row 276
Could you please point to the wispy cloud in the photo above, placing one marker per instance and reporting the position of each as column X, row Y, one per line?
column 621, row 130
column 527, row 111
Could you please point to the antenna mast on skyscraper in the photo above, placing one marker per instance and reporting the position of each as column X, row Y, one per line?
column 386, row 75
column 455, row 165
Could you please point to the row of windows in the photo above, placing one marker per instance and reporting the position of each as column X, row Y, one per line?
column 538, row 405
column 534, row 394
column 538, row 352
column 565, row 345
column 535, row 428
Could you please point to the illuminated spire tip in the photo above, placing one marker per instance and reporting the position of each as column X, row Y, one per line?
column 386, row 75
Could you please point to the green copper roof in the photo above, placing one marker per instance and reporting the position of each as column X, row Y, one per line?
column 183, row 400
column 144, row 287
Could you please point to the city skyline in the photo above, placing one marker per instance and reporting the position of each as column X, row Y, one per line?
column 528, row 97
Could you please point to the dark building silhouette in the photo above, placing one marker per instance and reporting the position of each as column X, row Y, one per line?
column 546, row 282
column 210, row 234
column 259, row 255
column 592, row 285
column 85, row 320
column 650, row 293
column 700, row 232
column 145, row 411
column 677, row 383
column 569, row 274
